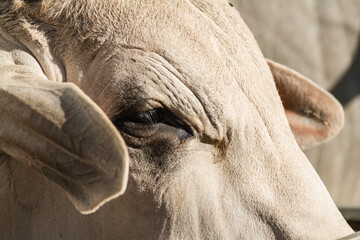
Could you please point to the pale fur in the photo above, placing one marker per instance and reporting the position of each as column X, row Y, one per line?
column 328, row 53
column 242, row 174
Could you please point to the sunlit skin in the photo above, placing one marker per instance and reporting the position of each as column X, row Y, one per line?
column 172, row 101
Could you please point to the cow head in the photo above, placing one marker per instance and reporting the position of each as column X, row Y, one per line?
column 179, row 93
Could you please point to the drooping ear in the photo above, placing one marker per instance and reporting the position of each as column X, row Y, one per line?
column 314, row 115
column 56, row 129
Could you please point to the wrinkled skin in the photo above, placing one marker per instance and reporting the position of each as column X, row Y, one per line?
column 199, row 121
column 328, row 52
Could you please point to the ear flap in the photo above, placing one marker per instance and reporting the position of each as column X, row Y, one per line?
column 314, row 115
column 56, row 129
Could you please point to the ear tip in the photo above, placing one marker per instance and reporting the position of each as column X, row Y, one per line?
column 315, row 116
column 333, row 122
column 92, row 208
column 97, row 199
column 337, row 120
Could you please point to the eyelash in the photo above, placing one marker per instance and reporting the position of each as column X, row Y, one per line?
column 148, row 117
column 151, row 117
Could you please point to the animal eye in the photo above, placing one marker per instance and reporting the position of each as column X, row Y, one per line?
column 151, row 116
column 153, row 121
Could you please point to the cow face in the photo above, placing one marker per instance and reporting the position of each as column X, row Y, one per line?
column 198, row 118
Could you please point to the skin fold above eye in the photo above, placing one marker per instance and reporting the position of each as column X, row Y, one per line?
column 154, row 123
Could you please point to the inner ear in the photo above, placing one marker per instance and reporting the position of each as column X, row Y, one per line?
column 314, row 115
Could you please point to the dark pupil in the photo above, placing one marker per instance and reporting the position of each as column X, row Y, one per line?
column 151, row 116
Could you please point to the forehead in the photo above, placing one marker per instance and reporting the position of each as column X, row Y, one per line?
column 202, row 39
column 206, row 42
column 207, row 32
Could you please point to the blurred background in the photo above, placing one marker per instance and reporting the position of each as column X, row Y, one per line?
column 320, row 39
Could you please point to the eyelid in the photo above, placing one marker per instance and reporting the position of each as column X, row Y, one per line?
column 136, row 108
column 148, row 117
column 151, row 118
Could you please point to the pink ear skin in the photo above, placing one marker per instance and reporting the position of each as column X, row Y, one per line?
column 314, row 115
